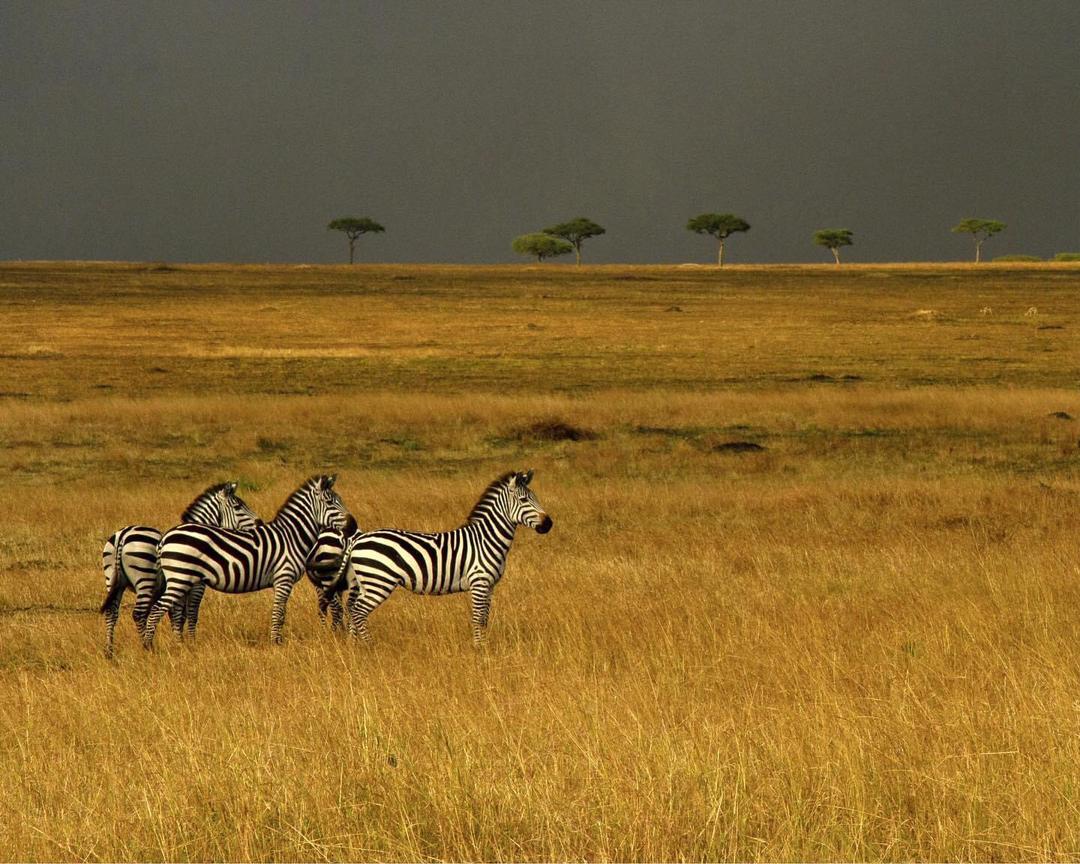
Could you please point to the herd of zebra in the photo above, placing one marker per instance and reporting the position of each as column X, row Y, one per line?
column 222, row 544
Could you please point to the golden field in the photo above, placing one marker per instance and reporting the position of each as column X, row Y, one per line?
column 858, row 642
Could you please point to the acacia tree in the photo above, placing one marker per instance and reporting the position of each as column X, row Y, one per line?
column 541, row 245
column 575, row 231
column 832, row 239
column 353, row 228
column 980, row 230
column 718, row 225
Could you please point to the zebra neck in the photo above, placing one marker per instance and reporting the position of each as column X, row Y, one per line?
column 494, row 529
column 297, row 527
column 203, row 512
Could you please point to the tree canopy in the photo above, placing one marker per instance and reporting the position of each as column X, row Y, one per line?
column 541, row 245
column 353, row 228
column 980, row 230
column 718, row 225
column 575, row 231
column 832, row 239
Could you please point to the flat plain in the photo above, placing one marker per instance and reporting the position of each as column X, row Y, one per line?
column 811, row 593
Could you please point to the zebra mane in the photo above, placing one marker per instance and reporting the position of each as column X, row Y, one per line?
column 188, row 515
column 310, row 483
column 493, row 487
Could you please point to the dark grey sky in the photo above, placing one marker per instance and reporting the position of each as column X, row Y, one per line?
column 235, row 131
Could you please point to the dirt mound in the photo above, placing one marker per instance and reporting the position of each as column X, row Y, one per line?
column 555, row 430
column 737, row 447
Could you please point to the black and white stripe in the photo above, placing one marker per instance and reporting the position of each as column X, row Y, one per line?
column 194, row 557
column 471, row 558
column 324, row 566
column 129, row 559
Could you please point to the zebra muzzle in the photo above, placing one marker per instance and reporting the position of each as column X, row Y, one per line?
column 544, row 526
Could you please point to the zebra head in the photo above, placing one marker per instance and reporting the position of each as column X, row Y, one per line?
column 522, row 505
column 220, row 505
column 236, row 513
column 327, row 507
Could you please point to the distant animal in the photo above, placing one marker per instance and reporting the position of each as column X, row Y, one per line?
column 1031, row 312
column 470, row 558
column 986, row 310
column 272, row 555
column 129, row 559
column 926, row 313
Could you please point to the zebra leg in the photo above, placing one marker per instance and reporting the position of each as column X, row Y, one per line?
column 191, row 610
column 361, row 604
column 283, row 586
column 354, row 593
column 177, row 617
column 480, row 589
column 174, row 594
column 114, row 591
column 324, row 602
column 111, row 611
column 145, row 583
column 144, row 601
column 358, row 613
column 337, row 612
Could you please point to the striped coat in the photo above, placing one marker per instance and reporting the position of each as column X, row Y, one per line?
column 129, row 559
column 272, row 555
column 471, row 558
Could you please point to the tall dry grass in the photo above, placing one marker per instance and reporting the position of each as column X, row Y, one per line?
column 856, row 643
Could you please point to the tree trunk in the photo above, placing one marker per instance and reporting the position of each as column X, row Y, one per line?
column 577, row 251
column 720, row 257
column 978, row 250
column 836, row 253
column 352, row 244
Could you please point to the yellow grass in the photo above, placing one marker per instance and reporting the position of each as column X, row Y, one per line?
column 857, row 643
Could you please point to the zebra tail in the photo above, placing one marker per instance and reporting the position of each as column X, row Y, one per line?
column 159, row 585
column 341, row 579
column 119, row 577
column 339, row 584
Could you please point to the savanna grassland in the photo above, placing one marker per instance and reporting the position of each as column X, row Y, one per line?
column 857, row 642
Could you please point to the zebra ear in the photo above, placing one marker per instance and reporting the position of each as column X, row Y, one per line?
column 329, row 480
column 526, row 478
column 232, row 487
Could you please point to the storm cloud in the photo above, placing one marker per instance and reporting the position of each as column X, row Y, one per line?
column 236, row 131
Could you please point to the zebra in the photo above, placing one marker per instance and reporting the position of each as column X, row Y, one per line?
column 193, row 557
column 322, row 568
column 129, row 559
column 471, row 558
